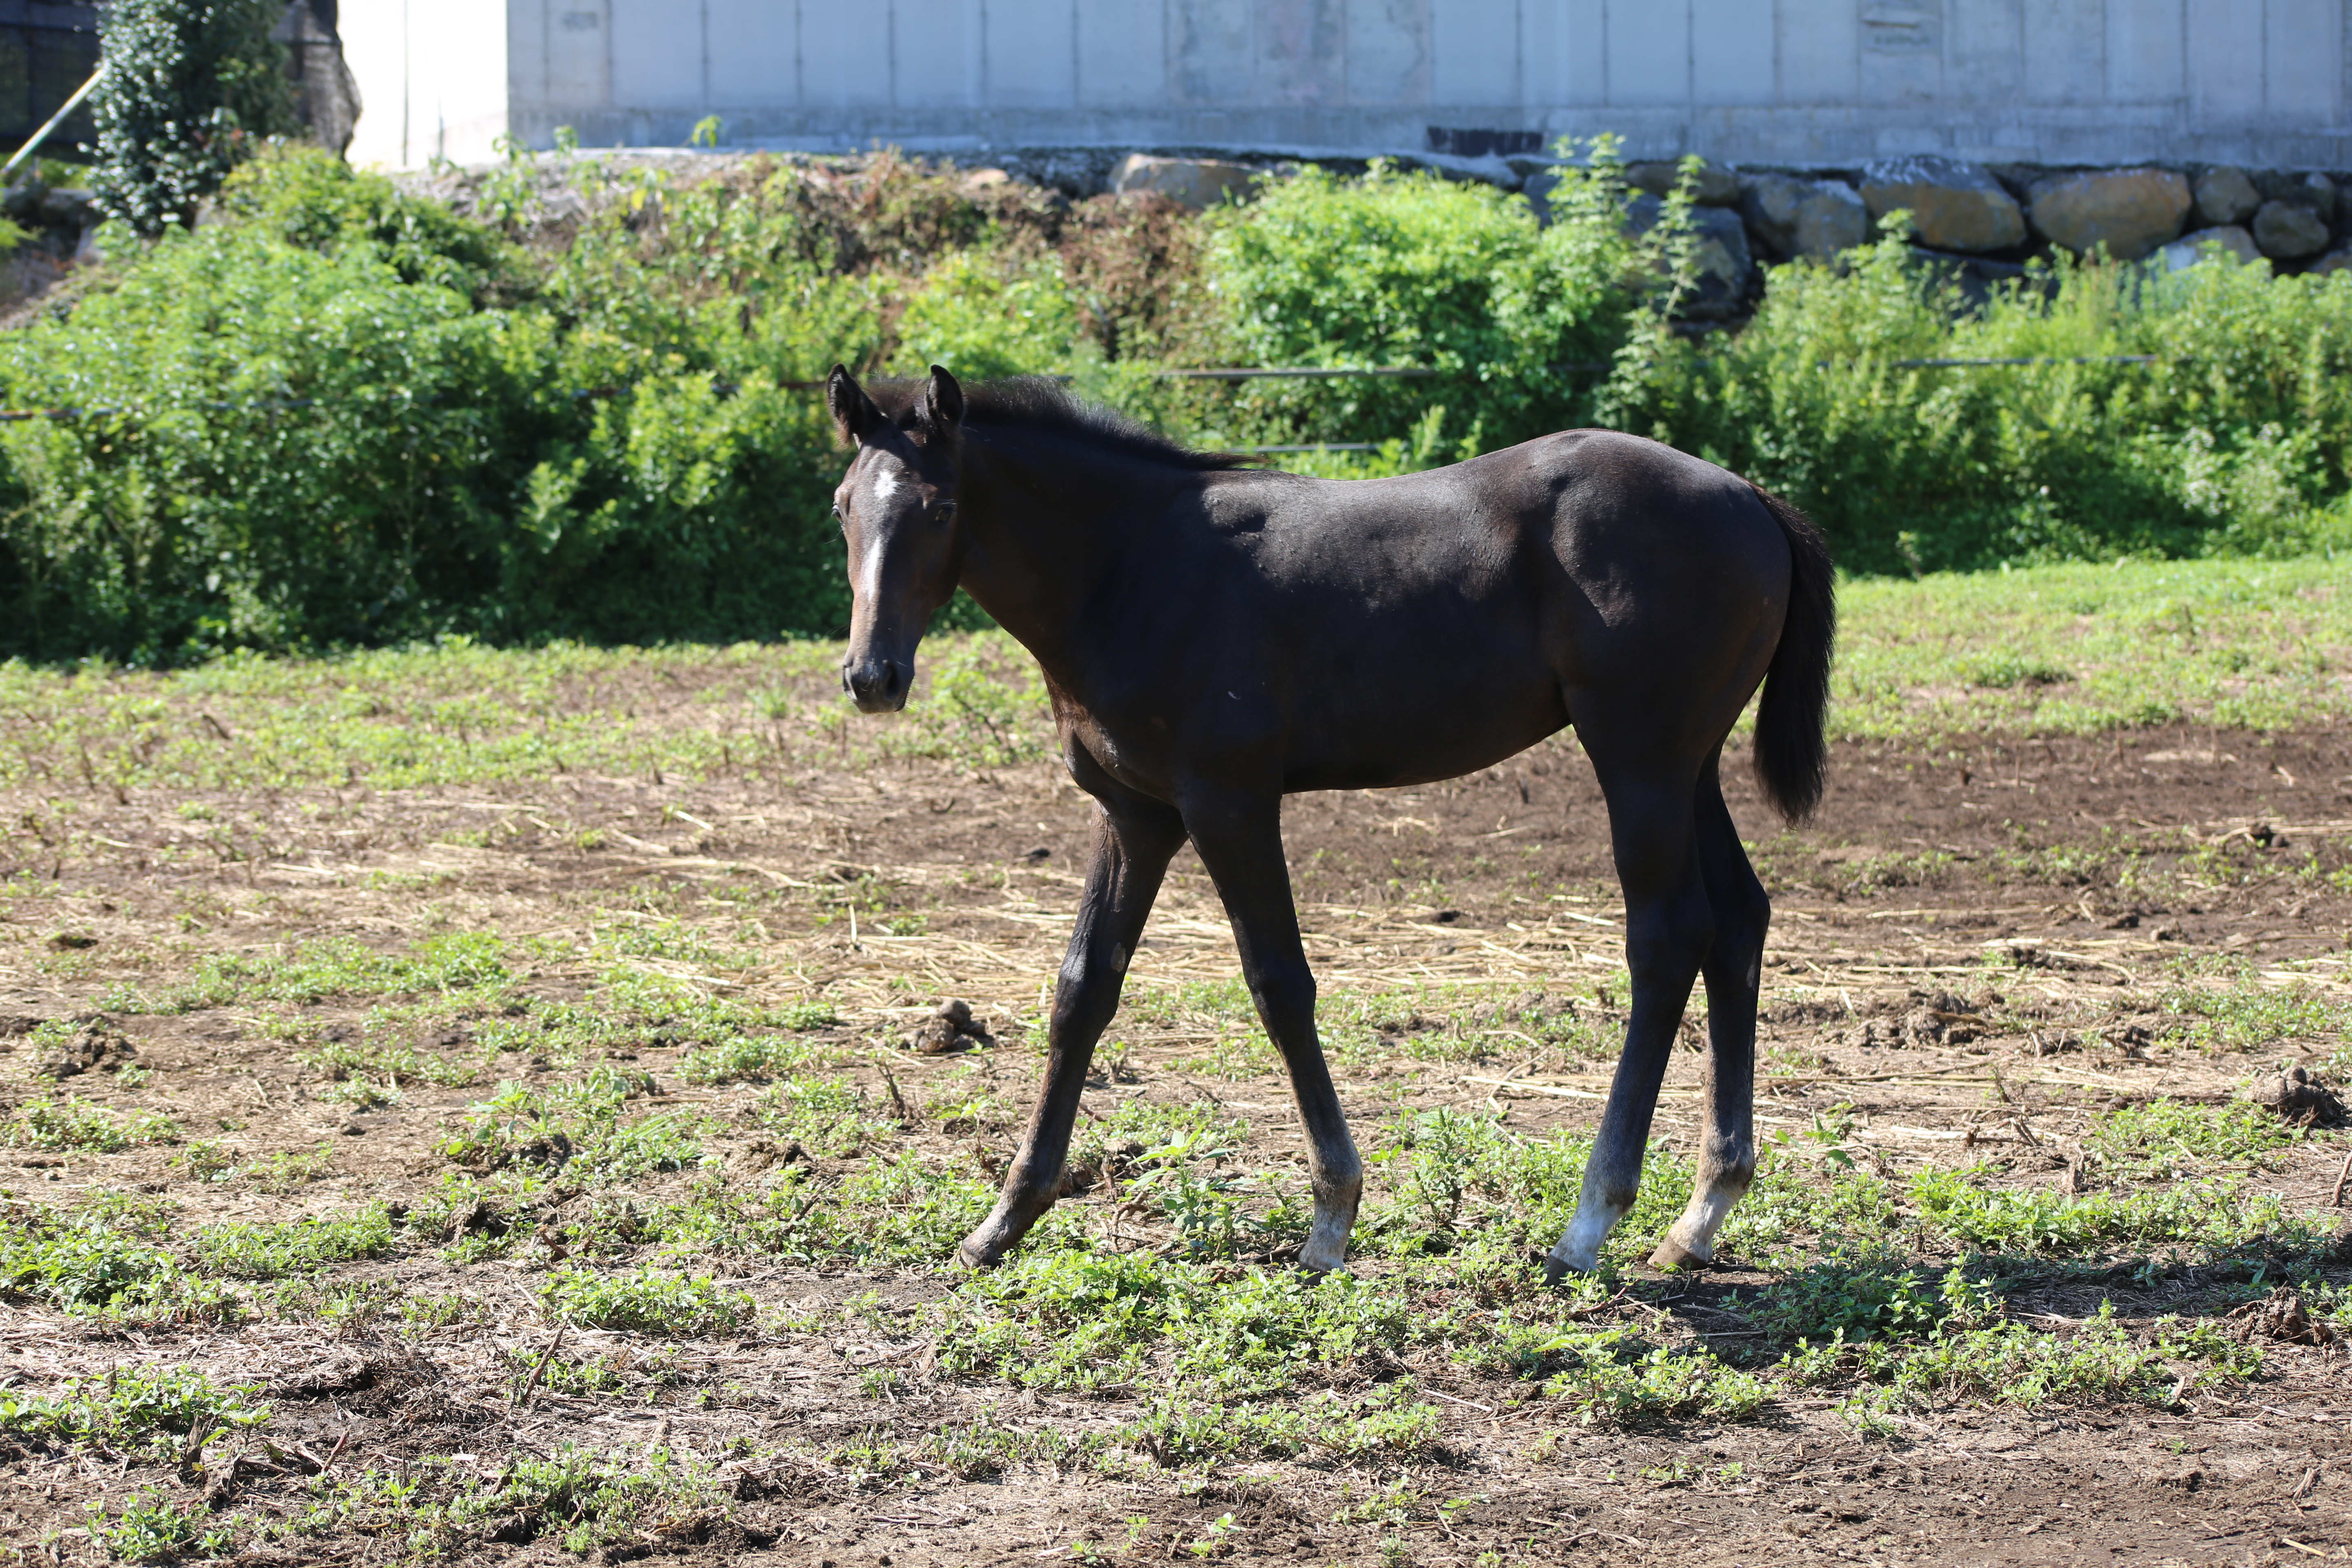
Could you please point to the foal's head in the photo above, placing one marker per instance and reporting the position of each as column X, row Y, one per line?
column 897, row 511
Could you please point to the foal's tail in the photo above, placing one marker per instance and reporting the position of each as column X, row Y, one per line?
column 1791, row 752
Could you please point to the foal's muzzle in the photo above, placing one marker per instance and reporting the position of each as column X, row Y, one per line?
column 877, row 685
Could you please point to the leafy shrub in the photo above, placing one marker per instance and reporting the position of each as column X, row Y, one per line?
column 1409, row 268
column 190, row 85
column 2234, row 437
column 323, row 421
column 577, row 401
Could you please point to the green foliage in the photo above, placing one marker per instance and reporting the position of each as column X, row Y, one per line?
column 647, row 1301
column 827, row 1117
column 2244, row 1014
column 271, row 1251
column 983, row 314
column 190, row 87
column 575, row 1126
column 2208, row 1214
column 1409, row 268
column 2166, row 1139
column 150, row 1528
column 339, row 416
column 1185, row 1431
column 2008, row 1363
column 105, row 1257
column 1860, row 1296
column 576, row 1498
column 2235, row 439
column 314, row 970
column 1614, row 1376
column 74, row 1123
column 132, row 1410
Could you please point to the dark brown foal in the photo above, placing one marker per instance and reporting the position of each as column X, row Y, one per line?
column 1216, row 637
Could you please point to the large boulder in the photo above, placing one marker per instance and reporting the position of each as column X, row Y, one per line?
column 2289, row 231
column 1717, row 185
column 2230, row 242
column 2310, row 189
column 1720, row 255
column 2337, row 260
column 1796, row 217
column 2129, row 211
column 1953, row 205
column 1198, row 183
column 2225, row 196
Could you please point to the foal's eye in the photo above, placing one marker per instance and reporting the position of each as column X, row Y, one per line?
column 943, row 513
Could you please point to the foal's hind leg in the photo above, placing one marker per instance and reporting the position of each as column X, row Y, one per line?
column 1240, row 841
column 1668, row 929
column 1726, row 1160
column 1134, row 840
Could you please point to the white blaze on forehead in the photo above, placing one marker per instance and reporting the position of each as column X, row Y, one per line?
column 888, row 478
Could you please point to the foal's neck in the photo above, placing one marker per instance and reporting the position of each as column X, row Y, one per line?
column 1048, row 518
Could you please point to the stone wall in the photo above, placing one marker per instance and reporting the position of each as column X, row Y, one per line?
column 1983, row 221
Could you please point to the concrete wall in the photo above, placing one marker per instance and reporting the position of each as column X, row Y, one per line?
column 433, row 77
column 1801, row 82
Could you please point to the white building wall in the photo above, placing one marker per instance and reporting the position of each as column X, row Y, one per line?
column 1816, row 82
column 433, row 79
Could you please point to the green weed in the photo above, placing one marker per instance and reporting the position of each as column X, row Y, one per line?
column 251, row 1250
column 133, row 1412
column 150, row 1528
column 647, row 1301
column 73, row 1124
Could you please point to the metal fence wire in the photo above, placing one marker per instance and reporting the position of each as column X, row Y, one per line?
column 1215, row 372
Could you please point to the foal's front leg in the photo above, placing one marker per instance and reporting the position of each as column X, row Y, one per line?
column 1239, row 838
column 1134, row 840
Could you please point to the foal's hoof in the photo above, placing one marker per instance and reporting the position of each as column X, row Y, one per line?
column 1672, row 1254
column 1558, row 1268
column 1319, row 1261
column 973, row 1252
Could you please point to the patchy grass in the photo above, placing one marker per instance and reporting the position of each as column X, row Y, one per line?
column 543, row 1098
column 2079, row 649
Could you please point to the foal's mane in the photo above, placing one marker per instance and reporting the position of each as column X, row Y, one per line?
column 1040, row 403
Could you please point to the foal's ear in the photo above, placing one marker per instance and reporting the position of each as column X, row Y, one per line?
column 854, row 413
column 940, row 408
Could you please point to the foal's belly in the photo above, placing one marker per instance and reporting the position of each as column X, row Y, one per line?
column 1412, row 697
column 1354, row 748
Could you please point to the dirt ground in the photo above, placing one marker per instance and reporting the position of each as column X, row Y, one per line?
column 1932, row 881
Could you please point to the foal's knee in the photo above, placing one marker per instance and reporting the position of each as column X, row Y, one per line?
column 1285, row 994
column 1671, row 934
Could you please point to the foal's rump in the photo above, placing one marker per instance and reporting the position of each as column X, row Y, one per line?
column 1674, row 579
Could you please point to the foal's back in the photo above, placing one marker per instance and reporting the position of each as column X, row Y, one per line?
column 1422, row 627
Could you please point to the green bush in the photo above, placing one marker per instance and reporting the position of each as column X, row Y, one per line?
column 189, row 87
column 578, row 399
column 1409, row 268
column 328, row 420
column 2232, row 440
